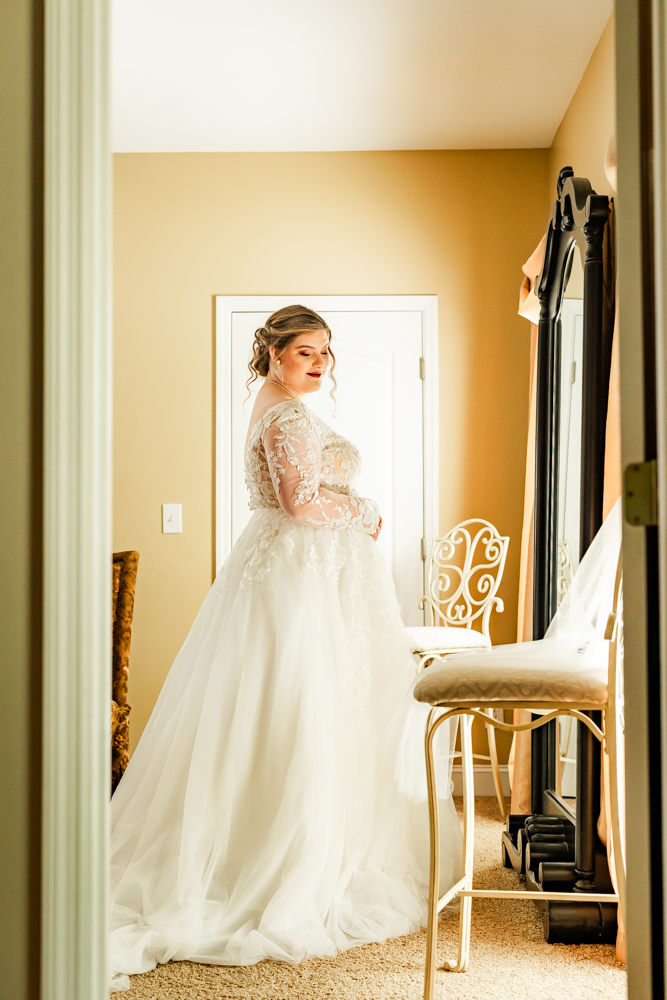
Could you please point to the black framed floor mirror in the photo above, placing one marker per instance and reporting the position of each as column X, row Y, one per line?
column 557, row 844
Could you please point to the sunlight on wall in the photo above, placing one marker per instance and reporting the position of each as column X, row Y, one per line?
column 190, row 226
column 589, row 122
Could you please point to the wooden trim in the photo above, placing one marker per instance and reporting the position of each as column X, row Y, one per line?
column 653, row 137
column 632, row 267
column 484, row 784
column 77, row 501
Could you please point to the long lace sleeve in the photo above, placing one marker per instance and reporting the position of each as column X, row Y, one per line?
column 293, row 454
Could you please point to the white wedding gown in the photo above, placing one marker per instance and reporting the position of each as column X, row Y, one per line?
column 273, row 808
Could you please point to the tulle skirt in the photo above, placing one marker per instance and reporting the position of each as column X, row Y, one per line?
column 274, row 807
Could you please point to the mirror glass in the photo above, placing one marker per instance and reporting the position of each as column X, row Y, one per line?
column 569, row 466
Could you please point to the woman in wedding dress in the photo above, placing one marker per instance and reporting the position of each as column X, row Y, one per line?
column 273, row 808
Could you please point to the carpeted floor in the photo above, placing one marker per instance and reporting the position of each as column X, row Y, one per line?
column 509, row 958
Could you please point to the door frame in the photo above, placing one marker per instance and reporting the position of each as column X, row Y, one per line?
column 77, row 502
column 77, row 488
column 641, row 33
column 653, row 140
column 227, row 305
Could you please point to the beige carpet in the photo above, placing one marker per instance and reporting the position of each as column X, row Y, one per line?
column 509, row 958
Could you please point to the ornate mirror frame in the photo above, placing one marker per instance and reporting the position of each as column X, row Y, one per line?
column 579, row 218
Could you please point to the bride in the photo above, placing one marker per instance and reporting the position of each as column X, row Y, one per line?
column 273, row 808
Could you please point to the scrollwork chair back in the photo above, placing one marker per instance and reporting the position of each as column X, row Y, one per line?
column 465, row 571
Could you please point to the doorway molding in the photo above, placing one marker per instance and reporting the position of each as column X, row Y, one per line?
column 227, row 305
column 77, row 501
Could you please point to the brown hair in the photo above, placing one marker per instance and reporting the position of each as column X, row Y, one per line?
column 279, row 331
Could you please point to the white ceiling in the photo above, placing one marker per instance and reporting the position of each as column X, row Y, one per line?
column 247, row 75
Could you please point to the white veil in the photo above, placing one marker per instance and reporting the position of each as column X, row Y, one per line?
column 581, row 619
column 578, row 627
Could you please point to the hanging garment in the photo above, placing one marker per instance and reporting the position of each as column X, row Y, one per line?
column 274, row 807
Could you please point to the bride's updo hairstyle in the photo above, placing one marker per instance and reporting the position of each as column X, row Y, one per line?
column 279, row 331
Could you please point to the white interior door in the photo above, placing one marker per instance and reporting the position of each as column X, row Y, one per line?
column 379, row 406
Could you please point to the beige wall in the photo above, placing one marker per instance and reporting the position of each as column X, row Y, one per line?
column 589, row 122
column 190, row 226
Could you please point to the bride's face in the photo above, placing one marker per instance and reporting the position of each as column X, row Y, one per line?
column 304, row 362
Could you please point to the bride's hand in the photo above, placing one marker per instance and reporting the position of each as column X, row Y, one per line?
column 377, row 531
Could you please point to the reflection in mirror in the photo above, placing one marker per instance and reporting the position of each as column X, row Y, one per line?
column 569, row 474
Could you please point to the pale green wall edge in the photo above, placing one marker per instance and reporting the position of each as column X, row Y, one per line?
column 21, row 61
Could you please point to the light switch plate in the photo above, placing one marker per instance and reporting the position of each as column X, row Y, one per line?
column 172, row 519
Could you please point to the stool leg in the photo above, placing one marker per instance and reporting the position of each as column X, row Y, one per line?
column 465, row 916
column 611, row 729
column 495, row 767
column 434, row 861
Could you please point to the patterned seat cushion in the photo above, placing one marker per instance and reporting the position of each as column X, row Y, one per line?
column 530, row 681
column 446, row 638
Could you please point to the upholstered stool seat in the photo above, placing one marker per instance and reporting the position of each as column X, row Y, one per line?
column 445, row 639
column 486, row 680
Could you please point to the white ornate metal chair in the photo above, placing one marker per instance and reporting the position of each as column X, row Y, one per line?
column 560, row 689
column 464, row 574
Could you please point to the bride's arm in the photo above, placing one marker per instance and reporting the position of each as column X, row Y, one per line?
column 293, row 453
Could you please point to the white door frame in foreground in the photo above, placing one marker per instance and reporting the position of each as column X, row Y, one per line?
column 77, row 501
column 227, row 305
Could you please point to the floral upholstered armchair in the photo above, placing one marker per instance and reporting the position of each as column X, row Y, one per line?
column 124, row 582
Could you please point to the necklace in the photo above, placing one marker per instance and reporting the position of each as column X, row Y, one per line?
column 281, row 386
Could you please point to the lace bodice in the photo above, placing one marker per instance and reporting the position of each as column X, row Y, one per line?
column 296, row 462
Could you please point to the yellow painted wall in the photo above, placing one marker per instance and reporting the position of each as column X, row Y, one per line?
column 589, row 122
column 190, row 226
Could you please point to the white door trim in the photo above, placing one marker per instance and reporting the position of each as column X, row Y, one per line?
column 483, row 778
column 226, row 305
column 77, row 502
